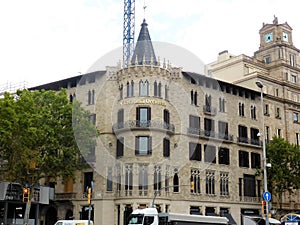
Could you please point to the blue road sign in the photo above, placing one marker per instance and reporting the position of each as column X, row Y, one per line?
column 267, row 196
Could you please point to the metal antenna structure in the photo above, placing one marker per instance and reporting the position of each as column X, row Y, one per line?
column 128, row 30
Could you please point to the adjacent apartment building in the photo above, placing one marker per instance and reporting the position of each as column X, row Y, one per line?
column 183, row 141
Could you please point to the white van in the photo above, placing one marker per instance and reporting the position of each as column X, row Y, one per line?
column 73, row 222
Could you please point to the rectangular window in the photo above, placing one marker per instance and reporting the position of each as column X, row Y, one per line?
column 93, row 119
column 295, row 117
column 209, row 154
column 297, row 139
column 221, row 104
column 224, row 156
column 166, row 119
column 255, row 160
column 267, row 133
column 143, row 116
column 195, row 151
column 121, row 118
column 166, row 150
column 293, row 79
column 279, row 132
column 143, row 145
column 88, row 178
column 210, row 182
column 277, row 115
column 267, row 110
column 267, row 59
column 249, row 185
column 241, row 109
column 292, row 60
column 253, row 112
column 120, row 147
column 109, row 183
column 243, row 159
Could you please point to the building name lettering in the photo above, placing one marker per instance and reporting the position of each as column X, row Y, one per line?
column 143, row 101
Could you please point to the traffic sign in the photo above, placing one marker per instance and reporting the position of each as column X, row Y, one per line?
column 267, row 196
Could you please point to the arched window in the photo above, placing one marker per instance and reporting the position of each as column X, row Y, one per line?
column 176, row 182
column 155, row 88
column 159, row 89
column 166, row 92
column 132, row 89
column 143, row 86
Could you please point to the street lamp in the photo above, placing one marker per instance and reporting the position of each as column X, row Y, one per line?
column 260, row 85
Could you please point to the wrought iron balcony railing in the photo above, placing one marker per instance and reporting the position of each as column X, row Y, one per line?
column 144, row 124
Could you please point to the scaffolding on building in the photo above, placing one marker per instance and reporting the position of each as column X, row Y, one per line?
column 12, row 87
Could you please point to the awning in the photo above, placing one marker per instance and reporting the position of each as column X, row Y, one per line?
column 230, row 218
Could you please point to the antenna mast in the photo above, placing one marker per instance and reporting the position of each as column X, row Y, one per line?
column 128, row 31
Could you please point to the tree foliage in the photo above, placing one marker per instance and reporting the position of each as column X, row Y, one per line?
column 37, row 138
column 283, row 176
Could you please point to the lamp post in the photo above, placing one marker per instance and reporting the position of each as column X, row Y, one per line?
column 260, row 85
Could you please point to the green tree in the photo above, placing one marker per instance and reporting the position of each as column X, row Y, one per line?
column 37, row 138
column 283, row 175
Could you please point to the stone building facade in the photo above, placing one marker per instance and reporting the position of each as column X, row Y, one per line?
column 185, row 142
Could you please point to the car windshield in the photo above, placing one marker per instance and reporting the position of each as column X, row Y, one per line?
column 136, row 219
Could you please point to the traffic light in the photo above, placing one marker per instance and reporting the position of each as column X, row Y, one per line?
column 89, row 193
column 26, row 194
column 263, row 208
column 192, row 186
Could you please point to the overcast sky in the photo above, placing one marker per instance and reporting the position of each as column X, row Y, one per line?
column 48, row 40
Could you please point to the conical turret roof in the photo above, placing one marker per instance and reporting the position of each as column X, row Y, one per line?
column 144, row 48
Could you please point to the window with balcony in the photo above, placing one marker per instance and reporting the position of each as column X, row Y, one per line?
column 166, row 119
column 194, row 124
column 195, row 151
column 254, row 136
column 224, row 184
column 143, row 145
column 243, row 134
column 223, row 130
column 143, row 179
column 210, row 182
column 255, row 160
column 209, row 154
column 166, row 150
column 195, row 181
column 243, row 159
column 224, row 156
column 143, row 116
column 209, row 127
